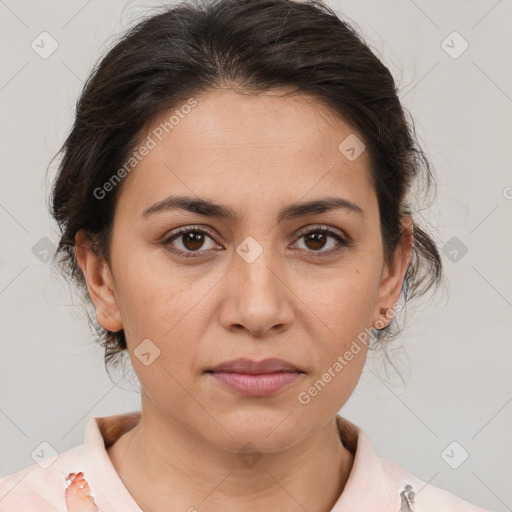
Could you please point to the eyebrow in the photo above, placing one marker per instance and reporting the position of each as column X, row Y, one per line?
column 211, row 209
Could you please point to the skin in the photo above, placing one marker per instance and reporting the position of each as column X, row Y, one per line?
column 255, row 154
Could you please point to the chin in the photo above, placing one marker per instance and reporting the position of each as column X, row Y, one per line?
column 270, row 430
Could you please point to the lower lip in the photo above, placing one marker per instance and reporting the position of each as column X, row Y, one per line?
column 263, row 384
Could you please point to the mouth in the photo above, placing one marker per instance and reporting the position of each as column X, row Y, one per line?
column 248, row 366
column 256, row 378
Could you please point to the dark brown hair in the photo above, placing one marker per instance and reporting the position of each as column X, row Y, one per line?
column 249, row 46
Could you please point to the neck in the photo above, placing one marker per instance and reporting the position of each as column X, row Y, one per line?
column 166, row 466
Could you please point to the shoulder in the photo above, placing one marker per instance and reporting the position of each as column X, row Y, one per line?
column 40, row 487
column 421, row 495
column 376, row 483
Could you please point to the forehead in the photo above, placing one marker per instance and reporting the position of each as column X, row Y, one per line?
column 258, row 149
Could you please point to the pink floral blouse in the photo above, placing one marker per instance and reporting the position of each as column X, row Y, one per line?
column 83, row 479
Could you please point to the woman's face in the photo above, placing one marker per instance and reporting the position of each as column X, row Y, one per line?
column 255, row 285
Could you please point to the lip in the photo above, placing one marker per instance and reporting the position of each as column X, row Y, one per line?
column 248, row 366
column 256, row 378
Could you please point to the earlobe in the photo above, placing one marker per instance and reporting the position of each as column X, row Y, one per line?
column 100, row 283
column 393, row 276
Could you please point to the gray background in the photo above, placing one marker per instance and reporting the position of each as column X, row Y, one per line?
column 455, row 355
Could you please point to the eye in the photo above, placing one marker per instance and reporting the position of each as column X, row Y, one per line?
column 317, row 239
column 191, row 239
column 188, row 242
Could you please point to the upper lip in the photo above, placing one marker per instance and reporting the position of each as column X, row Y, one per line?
column 243, row 365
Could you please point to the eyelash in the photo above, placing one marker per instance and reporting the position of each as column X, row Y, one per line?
column 343, row 242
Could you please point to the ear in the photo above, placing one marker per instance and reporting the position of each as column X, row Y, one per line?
column 393, row 276
column 100, row 283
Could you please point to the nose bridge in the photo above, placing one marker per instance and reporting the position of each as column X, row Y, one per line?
column 257, row 266
column 258, row 298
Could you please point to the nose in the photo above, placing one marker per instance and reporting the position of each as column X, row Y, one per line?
column 258, row 297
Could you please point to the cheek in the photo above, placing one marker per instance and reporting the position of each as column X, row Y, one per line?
column 340, row 316
column 163, row 308
column 164, row 304
column 153, row 303
column 341, row 304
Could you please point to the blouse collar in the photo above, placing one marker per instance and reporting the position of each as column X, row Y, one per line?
column 367, row 487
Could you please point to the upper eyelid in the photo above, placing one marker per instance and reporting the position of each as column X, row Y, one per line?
column 191, row 227
column 332, row 231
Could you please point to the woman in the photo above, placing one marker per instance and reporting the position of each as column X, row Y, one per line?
column 233, row 202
